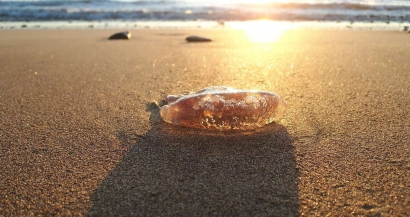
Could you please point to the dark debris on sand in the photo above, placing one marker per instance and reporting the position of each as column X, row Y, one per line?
column 120, row 35
column 197, row 39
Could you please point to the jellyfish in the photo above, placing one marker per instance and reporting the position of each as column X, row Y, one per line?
column 223, row 108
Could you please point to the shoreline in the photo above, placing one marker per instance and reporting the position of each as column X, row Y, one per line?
column 334, row 25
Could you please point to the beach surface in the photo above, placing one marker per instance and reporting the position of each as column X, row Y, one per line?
column 81, row 133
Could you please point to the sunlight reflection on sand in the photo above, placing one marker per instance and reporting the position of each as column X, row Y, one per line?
column 263, row 31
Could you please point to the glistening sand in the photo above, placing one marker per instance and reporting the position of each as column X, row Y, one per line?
column 80, row 135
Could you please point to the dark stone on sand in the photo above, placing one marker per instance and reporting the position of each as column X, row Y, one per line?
column 405, row 28
column 368, row 206
column 120, row 35
column 24, row 26
column 197, row 39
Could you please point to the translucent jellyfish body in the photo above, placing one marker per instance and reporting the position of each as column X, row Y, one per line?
column 223, row 108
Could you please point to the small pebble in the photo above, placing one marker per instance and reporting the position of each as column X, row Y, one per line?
column 197, row 39
column 120, row 35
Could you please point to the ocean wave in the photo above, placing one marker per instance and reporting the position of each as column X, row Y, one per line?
column 350, row 6
column 175, row 10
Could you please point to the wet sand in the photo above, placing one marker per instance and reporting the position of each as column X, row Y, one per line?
column 81, row 135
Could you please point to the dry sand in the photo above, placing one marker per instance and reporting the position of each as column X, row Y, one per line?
column 80, row 135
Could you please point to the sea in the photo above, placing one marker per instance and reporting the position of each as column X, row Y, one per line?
column 172, row 13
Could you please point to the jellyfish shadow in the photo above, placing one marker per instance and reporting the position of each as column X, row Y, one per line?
column 176, row 171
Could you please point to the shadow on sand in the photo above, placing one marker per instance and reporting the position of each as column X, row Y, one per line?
column 176, row 171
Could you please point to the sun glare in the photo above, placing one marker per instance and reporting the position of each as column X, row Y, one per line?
column 248, row 1
column 263, row 31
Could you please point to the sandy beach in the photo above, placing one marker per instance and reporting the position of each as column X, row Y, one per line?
column 81, row 135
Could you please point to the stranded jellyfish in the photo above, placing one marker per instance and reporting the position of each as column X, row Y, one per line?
column 223, row 108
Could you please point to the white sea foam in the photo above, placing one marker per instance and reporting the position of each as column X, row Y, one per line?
column 211, row 10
